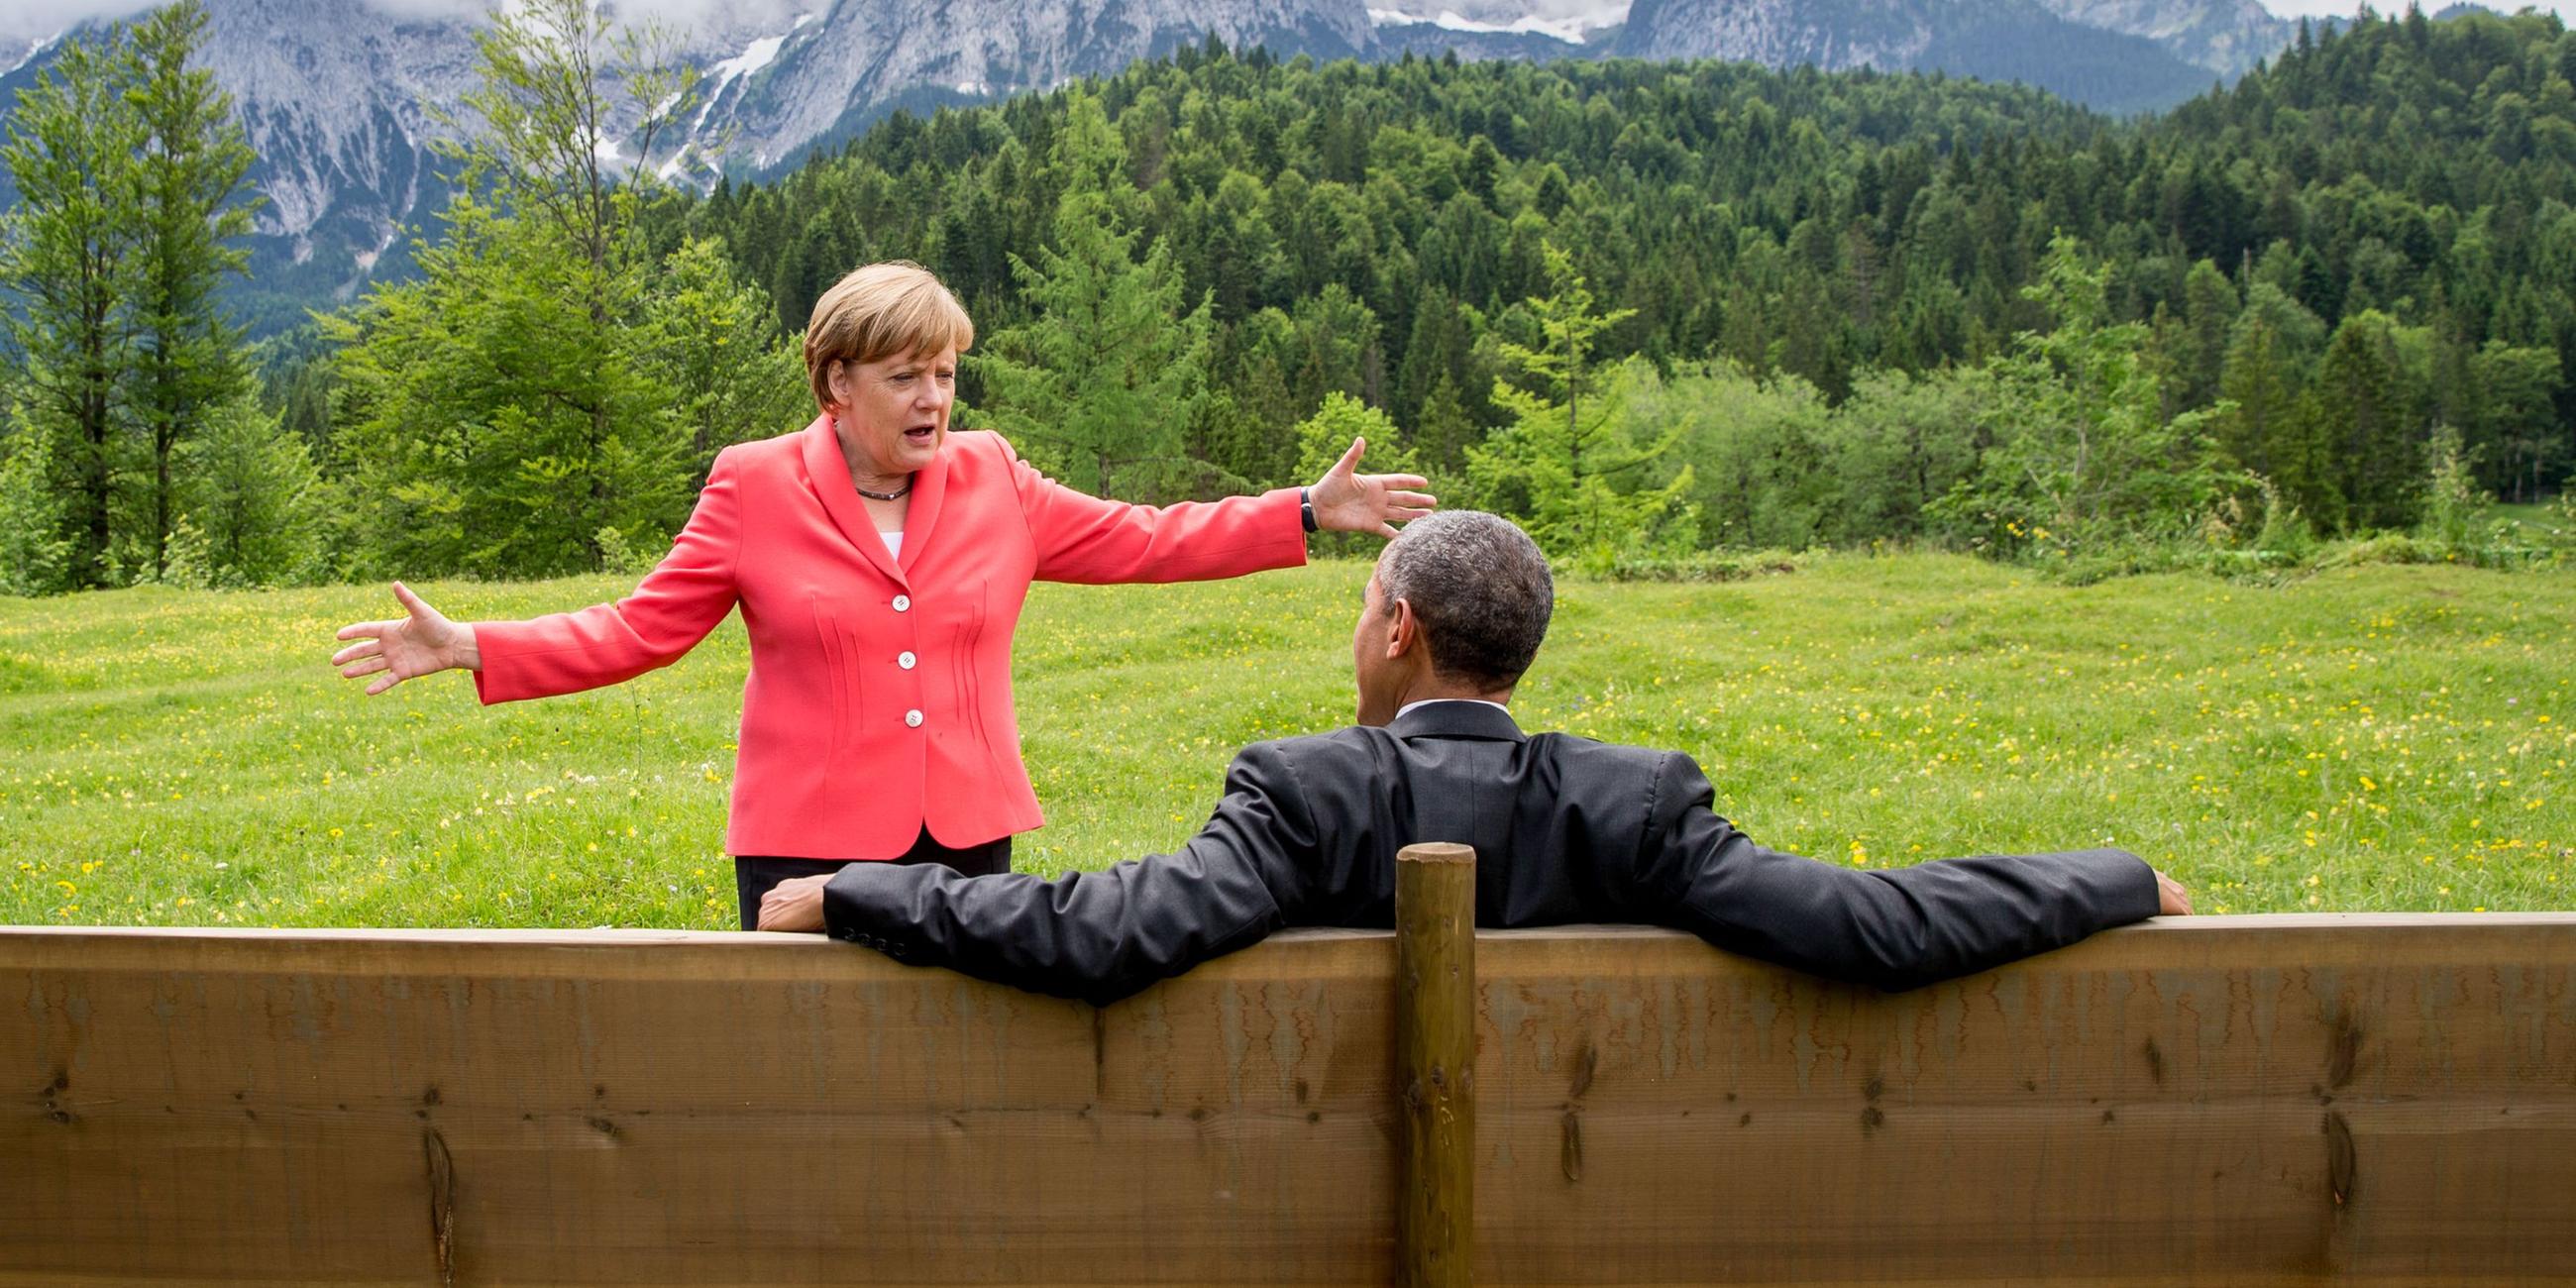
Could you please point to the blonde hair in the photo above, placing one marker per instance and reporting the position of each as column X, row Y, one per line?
column 882, row 309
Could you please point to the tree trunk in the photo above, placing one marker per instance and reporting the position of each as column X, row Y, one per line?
column 164, row 435
column 94, row 429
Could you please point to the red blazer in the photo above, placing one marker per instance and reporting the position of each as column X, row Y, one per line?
column 880, row 691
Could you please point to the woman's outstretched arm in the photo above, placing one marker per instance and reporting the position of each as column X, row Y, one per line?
column 1082, row 538
column 683, row 598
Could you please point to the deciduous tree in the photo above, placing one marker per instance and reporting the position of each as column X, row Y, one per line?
column 509, row 405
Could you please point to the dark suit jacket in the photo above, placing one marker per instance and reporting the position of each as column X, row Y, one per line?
column 1566, row 830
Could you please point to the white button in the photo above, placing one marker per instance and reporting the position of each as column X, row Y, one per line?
column 905, row 660
column 912, row 718
column 903, row 603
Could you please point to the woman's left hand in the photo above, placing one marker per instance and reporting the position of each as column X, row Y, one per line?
column 1348, row 502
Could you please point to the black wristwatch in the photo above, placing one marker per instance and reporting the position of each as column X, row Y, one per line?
column 1306, row 507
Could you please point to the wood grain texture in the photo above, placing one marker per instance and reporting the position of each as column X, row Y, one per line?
column 1435, row 1064
column 2244, row 1100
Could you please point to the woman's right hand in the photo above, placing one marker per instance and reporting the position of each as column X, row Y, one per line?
column 421, row 642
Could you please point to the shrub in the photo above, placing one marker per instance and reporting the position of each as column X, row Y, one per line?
column 1701, row 565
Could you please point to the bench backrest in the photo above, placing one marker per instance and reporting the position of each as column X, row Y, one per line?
column 2246, row 1100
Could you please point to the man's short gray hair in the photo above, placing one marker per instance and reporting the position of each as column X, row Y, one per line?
column 1480, row 588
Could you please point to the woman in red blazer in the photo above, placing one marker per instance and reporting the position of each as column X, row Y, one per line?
column 880, row 563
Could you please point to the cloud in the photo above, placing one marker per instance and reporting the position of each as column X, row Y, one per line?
column 692, row 13
column 428, row 10
column 22, row 21
column 27, row 20
column 679, row 13
column 2347, row 8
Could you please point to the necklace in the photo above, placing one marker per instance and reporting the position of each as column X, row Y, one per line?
column 895, row 495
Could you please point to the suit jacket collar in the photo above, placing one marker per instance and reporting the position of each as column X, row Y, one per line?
column 1451, row 720
column 829, row 472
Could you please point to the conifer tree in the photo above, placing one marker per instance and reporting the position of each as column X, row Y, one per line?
column 33, row 552
column 188, row 175
column 2515, row 437
column 251, row 500
column 1568, row 463
column 2266, row 428
column 1443, row 430
column 1104, row 382
column 2209, row 311
column 2365, row 409
column 66, row 257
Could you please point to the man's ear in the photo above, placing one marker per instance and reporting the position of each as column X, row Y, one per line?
column 1404, row 634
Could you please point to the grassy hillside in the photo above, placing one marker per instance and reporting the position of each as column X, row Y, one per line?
column 2392, row 738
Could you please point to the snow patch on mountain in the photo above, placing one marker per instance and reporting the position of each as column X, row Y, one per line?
column 758, row 54
column 1571, row 27
column 712, row 85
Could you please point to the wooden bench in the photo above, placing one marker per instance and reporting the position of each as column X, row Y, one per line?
column 2217, row 1100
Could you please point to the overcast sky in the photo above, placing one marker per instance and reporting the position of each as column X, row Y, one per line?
column 2340, row 8
column 22, row 20
column 56, row 14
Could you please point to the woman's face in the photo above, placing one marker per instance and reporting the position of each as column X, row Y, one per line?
column 893, row 412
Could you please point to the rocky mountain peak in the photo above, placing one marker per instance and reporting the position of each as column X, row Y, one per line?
column 342, row 100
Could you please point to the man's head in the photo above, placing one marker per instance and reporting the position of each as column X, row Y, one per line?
column 1456, row 609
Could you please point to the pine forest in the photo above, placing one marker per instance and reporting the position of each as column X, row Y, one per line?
column 1663, row 314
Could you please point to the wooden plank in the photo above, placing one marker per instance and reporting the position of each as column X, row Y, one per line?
column 2254, row 1100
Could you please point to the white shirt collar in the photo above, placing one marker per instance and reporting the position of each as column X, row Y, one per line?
column 1408, row 707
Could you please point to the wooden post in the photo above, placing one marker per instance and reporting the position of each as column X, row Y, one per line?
column 1435, row 1042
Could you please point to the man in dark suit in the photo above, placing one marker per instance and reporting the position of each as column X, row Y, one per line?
column 1565, row 830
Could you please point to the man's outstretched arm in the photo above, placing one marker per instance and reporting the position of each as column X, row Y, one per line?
column 1098, row 936
column 1894, row 929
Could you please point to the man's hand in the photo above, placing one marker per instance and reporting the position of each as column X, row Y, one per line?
column 797, row 904
column 2171, row 899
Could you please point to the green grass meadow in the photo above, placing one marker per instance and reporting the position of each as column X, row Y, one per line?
column 2368, row 738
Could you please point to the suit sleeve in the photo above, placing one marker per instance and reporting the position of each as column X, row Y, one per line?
column 1082, row 538
column 683, row 598
column 1098, row 936
column 1894, row 929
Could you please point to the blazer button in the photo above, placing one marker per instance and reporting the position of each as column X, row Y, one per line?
column 903, row 603
column 905, row 660
column 912, row 719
